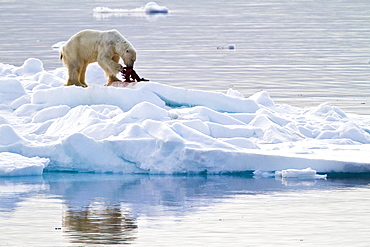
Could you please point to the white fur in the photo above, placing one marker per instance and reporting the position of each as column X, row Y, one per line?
column 89, row 46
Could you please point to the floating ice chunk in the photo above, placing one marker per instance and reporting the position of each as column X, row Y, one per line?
column 154, row 8
column 102, row 10
column 149, row 8
column 229, row 46
column 58, row 45
column 12, row 164
column 105, row 12
column 307, row 173
column 109, row 10
column 156, row 128
column 263, row 174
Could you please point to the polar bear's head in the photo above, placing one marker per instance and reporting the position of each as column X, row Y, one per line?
column 129, row 57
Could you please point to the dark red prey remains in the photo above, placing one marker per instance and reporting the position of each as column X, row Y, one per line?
column 130, row 75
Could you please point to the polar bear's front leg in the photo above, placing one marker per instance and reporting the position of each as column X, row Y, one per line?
column 110, row 67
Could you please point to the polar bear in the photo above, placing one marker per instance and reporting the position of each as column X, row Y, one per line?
column 104, row 47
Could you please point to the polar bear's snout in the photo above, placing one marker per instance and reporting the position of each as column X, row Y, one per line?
column 129, row 58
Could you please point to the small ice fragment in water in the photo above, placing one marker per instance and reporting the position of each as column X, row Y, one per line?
column 229, row 46
column 262, row 174
column 307, row 173
column 154, row 8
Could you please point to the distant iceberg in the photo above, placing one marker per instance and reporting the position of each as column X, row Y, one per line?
column 153, row 8
column 150, row 8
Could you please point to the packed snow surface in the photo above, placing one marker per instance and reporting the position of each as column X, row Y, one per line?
column 159, row 129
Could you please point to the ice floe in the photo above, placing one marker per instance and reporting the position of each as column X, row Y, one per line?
column 12, row 164
column 152, row 11
column 160, row 129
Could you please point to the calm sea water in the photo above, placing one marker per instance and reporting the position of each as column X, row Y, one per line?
column 302, row 52
column 89, row 209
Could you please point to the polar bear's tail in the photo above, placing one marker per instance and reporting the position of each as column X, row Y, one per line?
column 61, row 53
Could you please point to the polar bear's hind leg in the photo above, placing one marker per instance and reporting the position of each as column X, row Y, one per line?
column 82, row 74
column 74, row 72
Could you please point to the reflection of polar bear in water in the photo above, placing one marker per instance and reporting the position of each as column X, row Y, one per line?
column 104, row 47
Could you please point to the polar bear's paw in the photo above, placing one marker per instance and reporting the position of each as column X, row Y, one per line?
column 78, row 84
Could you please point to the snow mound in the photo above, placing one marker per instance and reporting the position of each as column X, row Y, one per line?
column 10, row 89
column 160, row 129
column 30, row 67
